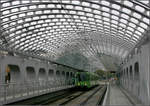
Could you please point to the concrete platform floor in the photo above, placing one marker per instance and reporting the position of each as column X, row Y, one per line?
column 117, row 97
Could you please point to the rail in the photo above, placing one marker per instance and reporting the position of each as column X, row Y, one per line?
column 90, row 96
column 12, row 92
column 93, row 96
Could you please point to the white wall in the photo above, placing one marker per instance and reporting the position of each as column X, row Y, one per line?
column 23, row 64
column 141, row 88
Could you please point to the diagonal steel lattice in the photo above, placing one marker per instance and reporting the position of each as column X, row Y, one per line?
column 49, row 28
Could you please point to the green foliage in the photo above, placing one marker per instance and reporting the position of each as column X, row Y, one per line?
column 104, row 74
column 101, row 73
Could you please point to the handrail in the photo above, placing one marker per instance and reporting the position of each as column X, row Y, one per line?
column 11, row 92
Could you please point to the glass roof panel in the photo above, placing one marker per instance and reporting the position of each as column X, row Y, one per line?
column 139, row 8
column 104, row 2
column 137, row 15
column 128, row 3
column 126, row 10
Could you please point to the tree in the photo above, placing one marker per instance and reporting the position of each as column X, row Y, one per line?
column 104, row 74
column 101, row 73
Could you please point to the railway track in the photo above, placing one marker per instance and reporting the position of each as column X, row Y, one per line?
column 68, row 97
column 96, row 98
column 45, row 98
column 86, row 101
column 83, row 97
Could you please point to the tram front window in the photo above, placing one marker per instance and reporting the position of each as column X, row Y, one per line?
column 83, row 77
column 78, row 77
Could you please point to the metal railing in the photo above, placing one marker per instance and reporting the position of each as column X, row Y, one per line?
column 16, row 91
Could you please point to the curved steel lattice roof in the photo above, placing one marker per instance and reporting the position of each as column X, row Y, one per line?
column 50, row 27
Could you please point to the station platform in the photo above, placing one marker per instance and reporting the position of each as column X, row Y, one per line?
column 116, row 95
